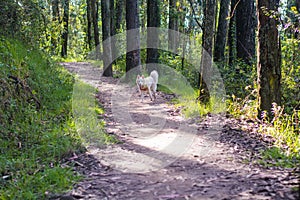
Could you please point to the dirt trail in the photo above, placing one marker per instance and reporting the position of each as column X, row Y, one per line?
column 164, row 156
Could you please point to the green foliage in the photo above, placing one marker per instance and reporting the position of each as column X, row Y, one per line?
column 39, row 184
column 23, row 19
column 243, row 102
column 246, row 107
column 35, row 118
column 284, row 131
column 275, row 156
column 290, row 74
column 285, row 125
column 77, row 46
column 237, row 77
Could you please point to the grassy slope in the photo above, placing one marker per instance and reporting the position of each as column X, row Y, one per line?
column 36, row 125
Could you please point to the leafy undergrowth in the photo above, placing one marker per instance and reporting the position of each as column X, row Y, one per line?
column 36, row 124
column 242, row 103
column 284, row 128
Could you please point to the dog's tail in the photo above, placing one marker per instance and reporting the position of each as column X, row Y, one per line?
column 154, row 75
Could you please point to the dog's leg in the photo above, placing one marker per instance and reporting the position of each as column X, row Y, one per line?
column 154, row 95
column 139, row 89
column 142, row 96
column 154, row 90
column 150, row 93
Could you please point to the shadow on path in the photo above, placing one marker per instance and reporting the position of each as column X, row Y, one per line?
column 182, row 159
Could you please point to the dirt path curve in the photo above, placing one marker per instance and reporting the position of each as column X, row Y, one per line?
column 164, row 156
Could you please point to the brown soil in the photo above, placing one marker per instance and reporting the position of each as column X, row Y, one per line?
column 165, row 156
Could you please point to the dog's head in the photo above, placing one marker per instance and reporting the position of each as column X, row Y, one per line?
column 140, row 80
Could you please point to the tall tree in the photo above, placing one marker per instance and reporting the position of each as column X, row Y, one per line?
column 64, row 49
column 106, row 31
column 113, row 30
column 120, row 4
column 133, row 58
column 95, row 17
column 55, row 19
column 232, row 34
column 297, row 2
column 173, row 25
column 207, row 49
column 153, row 22
column 245, row 30
column 268, row 57
column 220, row 43
column 89, row 23
column 55, row 10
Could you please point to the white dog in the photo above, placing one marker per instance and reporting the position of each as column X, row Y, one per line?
column 147, row 84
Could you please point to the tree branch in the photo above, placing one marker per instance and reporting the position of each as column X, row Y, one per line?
column 193, row 10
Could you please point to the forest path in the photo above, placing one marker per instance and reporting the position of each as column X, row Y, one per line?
column 164, row 156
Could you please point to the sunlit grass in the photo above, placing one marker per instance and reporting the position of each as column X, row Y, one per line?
column 285, row 130
column 85, row 113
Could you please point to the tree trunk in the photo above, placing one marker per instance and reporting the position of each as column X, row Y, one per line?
column 95, row 16
column 64, row 49
column 219, row 52
column 133, row 58
column 106, row 31
column 55, row 10
column 153, row 23
column 297, row 2
column 55, row 19
column 245, row 30
column 143, row 14
column 268, row 58
column 119, row 14
column 173, row 25
column 207, row 49
column 232, row 34
column 114, row 50
column 89, row 23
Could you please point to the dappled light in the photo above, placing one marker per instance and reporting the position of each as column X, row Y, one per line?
column 176, row 99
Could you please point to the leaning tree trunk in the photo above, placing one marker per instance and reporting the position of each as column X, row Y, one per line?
column 268, row 57
column 106, row 30
column 207, row 49
column 219, row 51
column 245, row 30
column 64, row 49
column 153, row 23
column 133, row 58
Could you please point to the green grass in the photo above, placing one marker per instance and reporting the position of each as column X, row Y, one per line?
column 186, row 96
column 283, row 128
column 87, row 114
column 275, row 156
column 36, row 129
